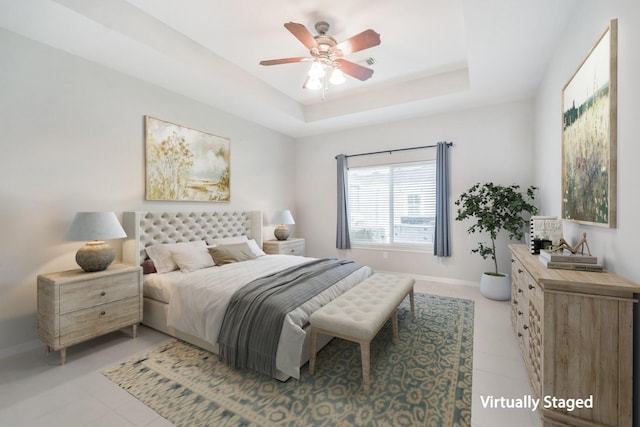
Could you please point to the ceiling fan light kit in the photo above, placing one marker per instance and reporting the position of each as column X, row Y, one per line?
column 327, row 55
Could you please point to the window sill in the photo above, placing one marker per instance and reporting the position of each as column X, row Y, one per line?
column 427, row 249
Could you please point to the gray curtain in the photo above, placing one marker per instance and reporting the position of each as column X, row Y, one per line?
column 342, row 233
column 441, row 240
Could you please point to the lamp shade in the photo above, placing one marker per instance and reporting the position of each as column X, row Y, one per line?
column 283, row 217
column 95, row 227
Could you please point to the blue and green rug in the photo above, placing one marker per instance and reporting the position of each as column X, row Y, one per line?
column 424, row 381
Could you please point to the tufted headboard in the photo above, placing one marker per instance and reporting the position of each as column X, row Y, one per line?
column 150, row 228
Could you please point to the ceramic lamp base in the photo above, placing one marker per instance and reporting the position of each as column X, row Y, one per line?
column 95, row 256
column 281, row 232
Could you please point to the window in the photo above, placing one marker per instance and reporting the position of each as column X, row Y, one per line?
column 392, row 204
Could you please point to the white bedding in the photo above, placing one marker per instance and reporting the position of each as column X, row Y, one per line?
column 198, row 300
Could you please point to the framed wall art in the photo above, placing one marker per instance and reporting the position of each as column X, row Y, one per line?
column 184, row 164
column 589, row 134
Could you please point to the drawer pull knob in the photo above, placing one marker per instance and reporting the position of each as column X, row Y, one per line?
column 102, row 313
column 519, row 313
column 531, row 286
column 103, row 293
column 519, row 291
column 525, row 327
column 519, row 335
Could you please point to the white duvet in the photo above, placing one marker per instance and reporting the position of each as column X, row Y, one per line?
column 198, row 300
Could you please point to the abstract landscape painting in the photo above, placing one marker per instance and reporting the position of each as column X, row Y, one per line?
column 589, row 133
column 185, row 164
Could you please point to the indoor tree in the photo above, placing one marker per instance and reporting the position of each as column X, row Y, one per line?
column 494, row 208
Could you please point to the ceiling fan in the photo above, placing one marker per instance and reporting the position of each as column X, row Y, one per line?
column 327, row 55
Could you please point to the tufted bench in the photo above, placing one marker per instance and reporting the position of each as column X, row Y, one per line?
column 358, row 315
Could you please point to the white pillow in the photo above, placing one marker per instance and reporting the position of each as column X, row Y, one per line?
column 227, row 240
column 192, row 257
column 255, row 248
column 161, row 255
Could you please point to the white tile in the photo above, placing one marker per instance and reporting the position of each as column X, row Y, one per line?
column 110, row 419
column 136, row 412
column 80, row 413
column 159, row 422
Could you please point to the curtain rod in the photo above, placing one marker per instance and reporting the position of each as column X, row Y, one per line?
column 450, row 144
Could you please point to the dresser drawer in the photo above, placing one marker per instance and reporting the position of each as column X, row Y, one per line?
column 90, row 322
column 101, row 290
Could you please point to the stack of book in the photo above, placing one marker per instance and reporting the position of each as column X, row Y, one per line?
column 567, row 261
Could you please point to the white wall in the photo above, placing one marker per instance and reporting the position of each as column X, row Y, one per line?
column 617, row 248
column 493, row 143
column 73, row 140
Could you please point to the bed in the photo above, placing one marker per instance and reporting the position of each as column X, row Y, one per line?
column 190, row 302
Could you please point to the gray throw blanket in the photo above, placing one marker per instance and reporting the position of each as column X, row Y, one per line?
column 252, row 323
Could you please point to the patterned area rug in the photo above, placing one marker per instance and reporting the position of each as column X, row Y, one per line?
column 424, row 381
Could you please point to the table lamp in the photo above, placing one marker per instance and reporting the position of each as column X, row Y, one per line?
column 282, row 218
column 95, row 228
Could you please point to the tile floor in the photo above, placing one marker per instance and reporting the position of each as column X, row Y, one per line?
column 36, row 391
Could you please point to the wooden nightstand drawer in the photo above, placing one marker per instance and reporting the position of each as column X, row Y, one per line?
column 293, row 246
column 102, row 290
column 90, row 322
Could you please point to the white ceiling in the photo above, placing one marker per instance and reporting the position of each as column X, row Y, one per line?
column 435, row 55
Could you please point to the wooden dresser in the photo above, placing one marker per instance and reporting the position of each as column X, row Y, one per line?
column 575, row 331
column 292, row 246
column 75, row 306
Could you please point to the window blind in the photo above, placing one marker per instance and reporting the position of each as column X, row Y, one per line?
column 392, row 204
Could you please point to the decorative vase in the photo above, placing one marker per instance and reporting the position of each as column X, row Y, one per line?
column 495, row 287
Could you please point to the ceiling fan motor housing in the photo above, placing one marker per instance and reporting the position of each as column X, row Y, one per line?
column 322, row 27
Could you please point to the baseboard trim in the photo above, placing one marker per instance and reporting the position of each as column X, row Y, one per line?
column 447, row 280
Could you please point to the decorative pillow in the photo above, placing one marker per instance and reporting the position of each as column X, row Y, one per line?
column 148, row 267
column 192, row 257
column 227, row 254
column 161, row 255
column 255, row 248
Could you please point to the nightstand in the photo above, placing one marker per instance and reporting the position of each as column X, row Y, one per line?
column 75, row 306
column 292, row 246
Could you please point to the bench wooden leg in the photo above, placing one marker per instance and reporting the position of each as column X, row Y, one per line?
column 313, row 348
column 394, row 322
column 366, row 358
column 413, row 304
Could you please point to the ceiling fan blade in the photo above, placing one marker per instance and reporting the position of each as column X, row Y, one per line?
column 302, row 34
column 284, row 60
column 354, row 70
column 362, row 41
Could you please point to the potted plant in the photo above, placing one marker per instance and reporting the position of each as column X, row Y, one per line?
column 495, row 208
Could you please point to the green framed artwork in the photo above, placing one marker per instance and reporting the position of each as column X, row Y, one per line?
column 589, row 134
column 184, row 164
